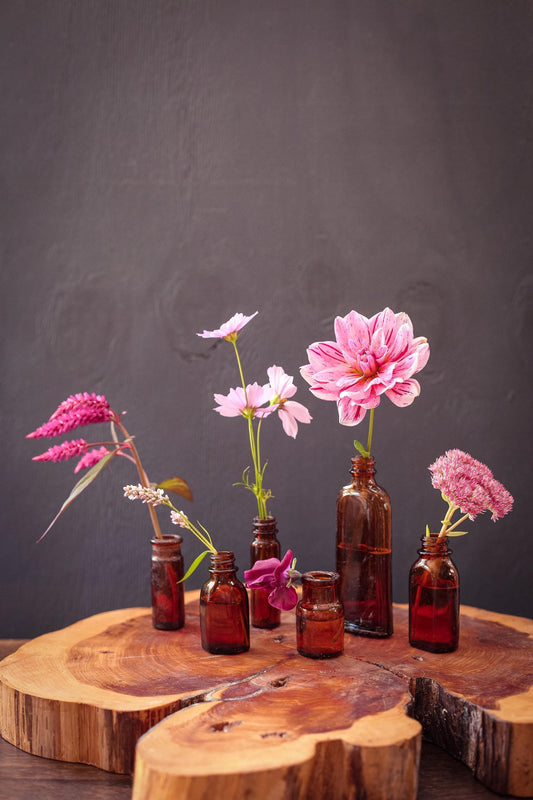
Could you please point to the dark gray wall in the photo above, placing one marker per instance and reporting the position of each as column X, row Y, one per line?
column 166, row 164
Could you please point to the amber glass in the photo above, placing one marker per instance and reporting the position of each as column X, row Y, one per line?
column 364, row 552
column 224, row 616
column 320, row 617
column 168, row 611
column 264, row 545
column 434, row 598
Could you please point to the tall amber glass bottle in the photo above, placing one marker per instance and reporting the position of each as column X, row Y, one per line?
column 168, row 609
column 434, row 598
column 364, row 552
column 264, row 545
column 224, row 615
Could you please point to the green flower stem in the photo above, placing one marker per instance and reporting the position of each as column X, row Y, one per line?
column 370, row 431
column 254, row 445
column 447, row 520
column 143, row 478
column 455, row 524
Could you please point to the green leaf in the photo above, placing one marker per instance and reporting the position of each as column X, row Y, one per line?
column 358, row 446
column 427, row 531
column 456, row 533
column 82, row 484
column 195, row 564
column 177, row 486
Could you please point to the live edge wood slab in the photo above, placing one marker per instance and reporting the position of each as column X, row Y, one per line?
column 270, row 724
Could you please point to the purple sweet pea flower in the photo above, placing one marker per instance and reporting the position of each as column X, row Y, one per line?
column 272, row 575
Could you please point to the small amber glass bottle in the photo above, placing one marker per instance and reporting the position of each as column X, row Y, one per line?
column 168, row 609
column 224, row 615
column 434, row 598
column 320, row 617
column 364, row 552
column 264, row 545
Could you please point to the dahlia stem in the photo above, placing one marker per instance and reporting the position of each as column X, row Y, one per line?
column 370, row 431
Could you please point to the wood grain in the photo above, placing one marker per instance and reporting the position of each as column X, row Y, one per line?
column 88, row 692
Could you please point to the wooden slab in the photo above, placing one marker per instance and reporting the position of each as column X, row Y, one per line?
column 275, row 719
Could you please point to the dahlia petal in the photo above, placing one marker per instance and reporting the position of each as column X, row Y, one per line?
column 402, row 394
column 352, row 331
column 384, row 322
column 349, row 412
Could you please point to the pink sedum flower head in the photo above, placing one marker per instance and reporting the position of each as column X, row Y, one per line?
column 469, row 485
column 91, row 458
column 230, row 329
column 279, row 390
column 273, row 575
column 245, row 404
column 369, row 358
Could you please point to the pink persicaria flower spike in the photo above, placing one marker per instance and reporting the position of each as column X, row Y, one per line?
column 76, row 411
column 63, row 451
column 245, row 404
column 280, row 389
column 469, row 485
column 274, row 576
column 230, row 329
column 91, row 458
column 369, row 358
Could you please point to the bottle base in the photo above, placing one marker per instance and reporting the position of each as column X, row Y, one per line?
column 225, row 650
column 357, row 630
column 320, row 657
column 434, row 647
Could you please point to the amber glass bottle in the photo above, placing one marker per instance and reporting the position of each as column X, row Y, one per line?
column 434, row 598
column 168, row 610
column 320, row 617
column 264, row 545
column 364, row 552
column 224, row 616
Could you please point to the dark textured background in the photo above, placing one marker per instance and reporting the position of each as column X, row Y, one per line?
column 166, row 164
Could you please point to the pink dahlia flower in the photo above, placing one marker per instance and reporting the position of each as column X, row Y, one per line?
column 91, row 458
column 74, row 412
column 63, row 451
column 273, row 575
column 238, row 403
column 469, row 485
column 230, row 329
column 280, row 389
column 369, row 358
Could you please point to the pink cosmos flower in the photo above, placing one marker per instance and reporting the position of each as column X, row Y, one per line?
column 230, row 329
column 91, row 458
column 76, row 411
column 279, row 389
column 369, row 358
column 63, row 451
column 238, row 403
column 273, row 575
column 470, row 485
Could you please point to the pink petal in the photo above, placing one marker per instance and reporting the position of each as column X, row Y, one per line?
column 349, row 412
column 283, row 597
column 352, row 331
column 403, row 394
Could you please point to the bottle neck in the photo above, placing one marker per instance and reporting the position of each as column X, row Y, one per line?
column 432, row 547
column 363, row 470
column 171, row 542
column 223, row 561
column 264, row 528
column 319, row 587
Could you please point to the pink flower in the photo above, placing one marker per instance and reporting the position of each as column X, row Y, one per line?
column 238, row 403
column 280, row 388
column 154, row 497
column 230, row 329
column 273, row 575
column 370, row 357
column 91, row 458
column 469, row 485
column 63, row 451
column 76, row 411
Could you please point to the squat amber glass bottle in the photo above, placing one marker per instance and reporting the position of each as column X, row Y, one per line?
column 320, row 617
column 265, row 545
column 434, row 598
column 168, row 610
column 224, row 616
column 364, row 552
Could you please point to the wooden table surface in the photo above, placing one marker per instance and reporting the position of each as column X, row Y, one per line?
column 23, row 776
